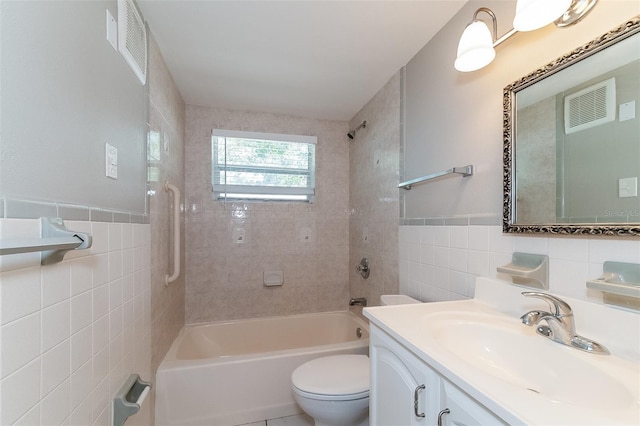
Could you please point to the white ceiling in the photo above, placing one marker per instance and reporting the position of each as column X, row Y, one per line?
column 321, row 59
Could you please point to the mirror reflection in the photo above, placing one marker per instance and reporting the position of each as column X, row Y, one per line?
column 575, row 140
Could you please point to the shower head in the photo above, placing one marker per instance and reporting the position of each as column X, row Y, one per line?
column 352, row 133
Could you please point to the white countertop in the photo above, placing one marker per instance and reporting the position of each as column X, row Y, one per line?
column 617, row 329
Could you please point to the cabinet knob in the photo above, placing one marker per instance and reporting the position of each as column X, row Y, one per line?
column 416, row 402
column 442, row 413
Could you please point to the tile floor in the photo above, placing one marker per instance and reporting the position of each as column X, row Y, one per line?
column 299, row 420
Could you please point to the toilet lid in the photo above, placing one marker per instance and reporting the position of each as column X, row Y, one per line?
column 333, row 375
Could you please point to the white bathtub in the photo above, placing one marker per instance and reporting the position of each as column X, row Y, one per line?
column 235, row 372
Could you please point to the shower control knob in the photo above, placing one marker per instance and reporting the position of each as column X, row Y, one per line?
column 363, row 268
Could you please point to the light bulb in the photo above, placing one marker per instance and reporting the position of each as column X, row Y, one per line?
column 534, row 14
column 475, row 49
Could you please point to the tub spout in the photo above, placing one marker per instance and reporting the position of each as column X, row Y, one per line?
column 362, row 301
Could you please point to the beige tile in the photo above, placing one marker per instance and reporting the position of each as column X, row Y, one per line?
column 299, row 420
column 226, row 276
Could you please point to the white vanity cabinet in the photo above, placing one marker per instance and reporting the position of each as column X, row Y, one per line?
column 463, row 410
column 406, row 391
column 403, row 389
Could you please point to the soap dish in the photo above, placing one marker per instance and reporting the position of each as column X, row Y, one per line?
column 620, row 283
column 531, row 270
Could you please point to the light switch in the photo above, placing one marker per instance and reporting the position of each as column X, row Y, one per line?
column 111, row 161
column 628, row 187
column 112, row 31
column 627, row 111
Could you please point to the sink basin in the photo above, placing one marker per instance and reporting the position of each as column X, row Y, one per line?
column 506, row 349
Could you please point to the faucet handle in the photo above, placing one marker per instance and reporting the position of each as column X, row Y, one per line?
column 561, row 307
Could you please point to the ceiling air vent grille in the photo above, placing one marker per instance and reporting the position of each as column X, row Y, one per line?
column 590, row 107
column 132, row 38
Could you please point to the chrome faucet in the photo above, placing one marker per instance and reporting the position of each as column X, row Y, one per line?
column 362, row 301
column 560, row 326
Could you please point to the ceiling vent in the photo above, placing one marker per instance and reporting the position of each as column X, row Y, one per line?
column 132, row 38
column 590, row 107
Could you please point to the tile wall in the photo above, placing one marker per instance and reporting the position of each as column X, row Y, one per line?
column 439, row 263
column 308, row 242
column 373, row 194
column 165, row 163
column 71, row 333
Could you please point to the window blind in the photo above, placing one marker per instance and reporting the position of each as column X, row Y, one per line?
column 263, row 166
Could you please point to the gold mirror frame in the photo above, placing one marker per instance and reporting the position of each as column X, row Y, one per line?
column 629, row 28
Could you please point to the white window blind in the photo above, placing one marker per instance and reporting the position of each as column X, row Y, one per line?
column 263, row 166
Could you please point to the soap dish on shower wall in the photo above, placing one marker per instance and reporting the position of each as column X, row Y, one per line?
column 530, row 270
column 272, row 278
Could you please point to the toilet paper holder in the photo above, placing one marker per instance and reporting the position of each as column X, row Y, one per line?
column 129, row 399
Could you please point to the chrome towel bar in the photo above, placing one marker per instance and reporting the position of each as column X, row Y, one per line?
column 464, row 171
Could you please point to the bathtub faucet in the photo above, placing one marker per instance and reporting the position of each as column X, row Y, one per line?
column 362, row 301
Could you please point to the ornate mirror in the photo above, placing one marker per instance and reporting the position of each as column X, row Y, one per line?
column 571, row 137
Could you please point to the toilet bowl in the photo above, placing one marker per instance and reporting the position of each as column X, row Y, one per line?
column 334, row 390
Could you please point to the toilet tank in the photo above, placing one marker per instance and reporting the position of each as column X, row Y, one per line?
column 397, row 299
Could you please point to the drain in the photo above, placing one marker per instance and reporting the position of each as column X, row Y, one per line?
column 533, row 390
column 358, row 332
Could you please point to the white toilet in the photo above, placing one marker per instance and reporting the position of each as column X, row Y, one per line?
column 334, row 390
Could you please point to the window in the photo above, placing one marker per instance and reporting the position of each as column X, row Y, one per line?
column 263, row 166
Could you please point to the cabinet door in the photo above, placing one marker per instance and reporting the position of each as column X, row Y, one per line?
column 463, row 409
column 403, row 389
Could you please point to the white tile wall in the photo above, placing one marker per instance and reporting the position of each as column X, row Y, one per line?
column 70, row 333
column 440, row 263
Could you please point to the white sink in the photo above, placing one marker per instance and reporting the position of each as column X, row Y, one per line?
column 506, row 349
column 482, row 347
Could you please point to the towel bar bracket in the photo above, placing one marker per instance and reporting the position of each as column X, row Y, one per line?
column 54, row 242
column 54, row 227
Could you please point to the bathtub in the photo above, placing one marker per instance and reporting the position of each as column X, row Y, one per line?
column 236, row 372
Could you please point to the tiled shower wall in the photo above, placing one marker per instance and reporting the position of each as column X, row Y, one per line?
column 72, row 332
column 166, row 163
column 308, row 242
column 373, row 190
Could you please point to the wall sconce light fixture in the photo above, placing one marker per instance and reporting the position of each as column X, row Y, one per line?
column 476, row 48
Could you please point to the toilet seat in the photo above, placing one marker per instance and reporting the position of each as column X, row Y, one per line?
column 321, row 397
column 337, row 378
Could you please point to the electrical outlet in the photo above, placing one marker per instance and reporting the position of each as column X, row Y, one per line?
column 111, row 161
column 628, row 187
